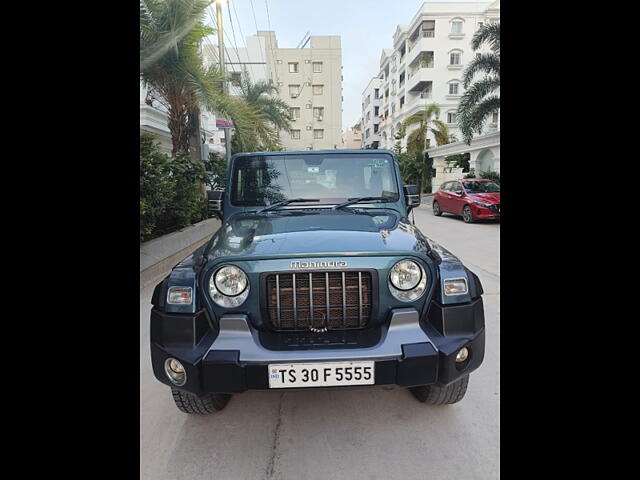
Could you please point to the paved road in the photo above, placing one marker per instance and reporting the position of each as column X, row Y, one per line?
column 368, row 433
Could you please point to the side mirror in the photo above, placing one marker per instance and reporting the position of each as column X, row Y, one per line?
column 460, row 193
column 411, row 196
column 215, row 202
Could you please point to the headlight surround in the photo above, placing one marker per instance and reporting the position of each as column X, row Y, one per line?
column 482, row 204
column 229, row 286
column 407, row 280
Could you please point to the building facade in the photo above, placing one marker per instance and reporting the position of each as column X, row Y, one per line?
column 426, row 63
column 309, row 80
column 371, row 111
column 352, row 138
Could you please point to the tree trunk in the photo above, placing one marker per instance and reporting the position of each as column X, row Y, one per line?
column 177, row 124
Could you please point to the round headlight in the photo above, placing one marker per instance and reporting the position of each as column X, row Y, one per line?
column 405, row 275
column 229, row 287
column 231, row 281
column 407, row 280
column 175, row 371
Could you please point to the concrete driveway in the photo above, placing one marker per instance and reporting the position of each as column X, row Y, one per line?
column 367, row 433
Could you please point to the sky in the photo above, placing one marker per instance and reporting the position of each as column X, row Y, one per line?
column 366, row 27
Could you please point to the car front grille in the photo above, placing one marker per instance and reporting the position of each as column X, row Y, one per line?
column 495, row 208
column 319, row 301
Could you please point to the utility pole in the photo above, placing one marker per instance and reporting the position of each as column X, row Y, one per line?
column 225, row 86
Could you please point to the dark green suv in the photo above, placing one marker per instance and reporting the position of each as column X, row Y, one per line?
column 316, row 279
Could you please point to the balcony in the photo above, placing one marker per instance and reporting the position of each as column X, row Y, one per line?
column 422, row 45
column 419, row 80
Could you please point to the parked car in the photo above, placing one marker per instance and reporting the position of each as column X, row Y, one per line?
column 473, row 198
column 316, row 279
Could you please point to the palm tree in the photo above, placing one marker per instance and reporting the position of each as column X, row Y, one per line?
column 173, row 70
column 259, row 95
column 417, row 141
column 273, row 110
column 482, row 97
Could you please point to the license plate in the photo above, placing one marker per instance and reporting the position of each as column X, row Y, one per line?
column 335, row 374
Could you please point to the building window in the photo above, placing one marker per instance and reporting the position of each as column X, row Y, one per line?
column 480, row 24
column 456, row 28
column 452, row 117
column 295, row 134
column 294, row 90
column 317, row 67
column 235, row 78
column 318, row 89
column 453, row 89
column 375, row 128
column 295, row 113
column 368, row 117
column 454, row 58
column 318, row 134
column 318, row 112
column 376, row 111
column 366, row 133
column 495, row 117
column 293, row 67
column 376, row 93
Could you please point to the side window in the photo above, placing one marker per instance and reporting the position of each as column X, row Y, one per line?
column 445, row 186
column 456, row 187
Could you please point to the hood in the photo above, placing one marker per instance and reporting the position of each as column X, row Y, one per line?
column 485, row 197
column 317, row 232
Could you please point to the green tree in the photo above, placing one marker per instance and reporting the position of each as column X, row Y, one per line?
column 216, row 168
column 482, row 97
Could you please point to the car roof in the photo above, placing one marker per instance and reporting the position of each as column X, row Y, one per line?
column 312, row 152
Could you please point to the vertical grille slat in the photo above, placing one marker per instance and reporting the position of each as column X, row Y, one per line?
column 278, row 299
column 360, row 297
column 325, row 300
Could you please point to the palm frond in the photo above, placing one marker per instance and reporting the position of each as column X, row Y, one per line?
column 474, row 119
column 488, row 63
column 488, row 33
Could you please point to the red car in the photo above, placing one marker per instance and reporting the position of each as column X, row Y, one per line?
column 473, row 198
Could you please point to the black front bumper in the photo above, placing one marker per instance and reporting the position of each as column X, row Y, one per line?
column 189, row 338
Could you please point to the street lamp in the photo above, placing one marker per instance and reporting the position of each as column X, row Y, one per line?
column 225, row 86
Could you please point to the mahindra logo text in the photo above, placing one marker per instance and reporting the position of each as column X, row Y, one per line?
column 329, row 264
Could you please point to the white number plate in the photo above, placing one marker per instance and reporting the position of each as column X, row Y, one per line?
column 335, row 374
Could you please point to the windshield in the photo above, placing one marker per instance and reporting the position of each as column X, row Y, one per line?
column 330, row 178
column 481, row 187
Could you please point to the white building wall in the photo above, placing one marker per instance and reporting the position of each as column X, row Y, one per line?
column 263, row 59
column 371, row 102
column 428, row 83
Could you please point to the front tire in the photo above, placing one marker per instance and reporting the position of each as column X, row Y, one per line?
column 467, row 214
column 441, row 395
column 436, row 208
column 205, row 405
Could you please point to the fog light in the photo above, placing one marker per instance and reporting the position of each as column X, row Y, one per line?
column 175, row 371
column 462, row 355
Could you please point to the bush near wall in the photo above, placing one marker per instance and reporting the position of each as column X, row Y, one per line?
column 491, row 175
column 170, row 194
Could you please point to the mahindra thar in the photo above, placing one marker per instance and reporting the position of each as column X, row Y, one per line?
column 317, row 278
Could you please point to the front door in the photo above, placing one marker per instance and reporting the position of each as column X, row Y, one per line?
column 457, row 200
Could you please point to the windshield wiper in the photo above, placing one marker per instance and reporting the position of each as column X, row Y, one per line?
column 351, row 201
column 287, row 202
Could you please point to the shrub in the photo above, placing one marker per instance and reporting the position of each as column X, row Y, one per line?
column 470, row 175
column 460, row 160
column 491, row 175
column 216, row 167
column 156, row 185
column 171, row 195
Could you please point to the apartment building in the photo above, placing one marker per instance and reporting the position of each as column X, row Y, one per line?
column 426, row 63
column 371, row 105
column 309, row 79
